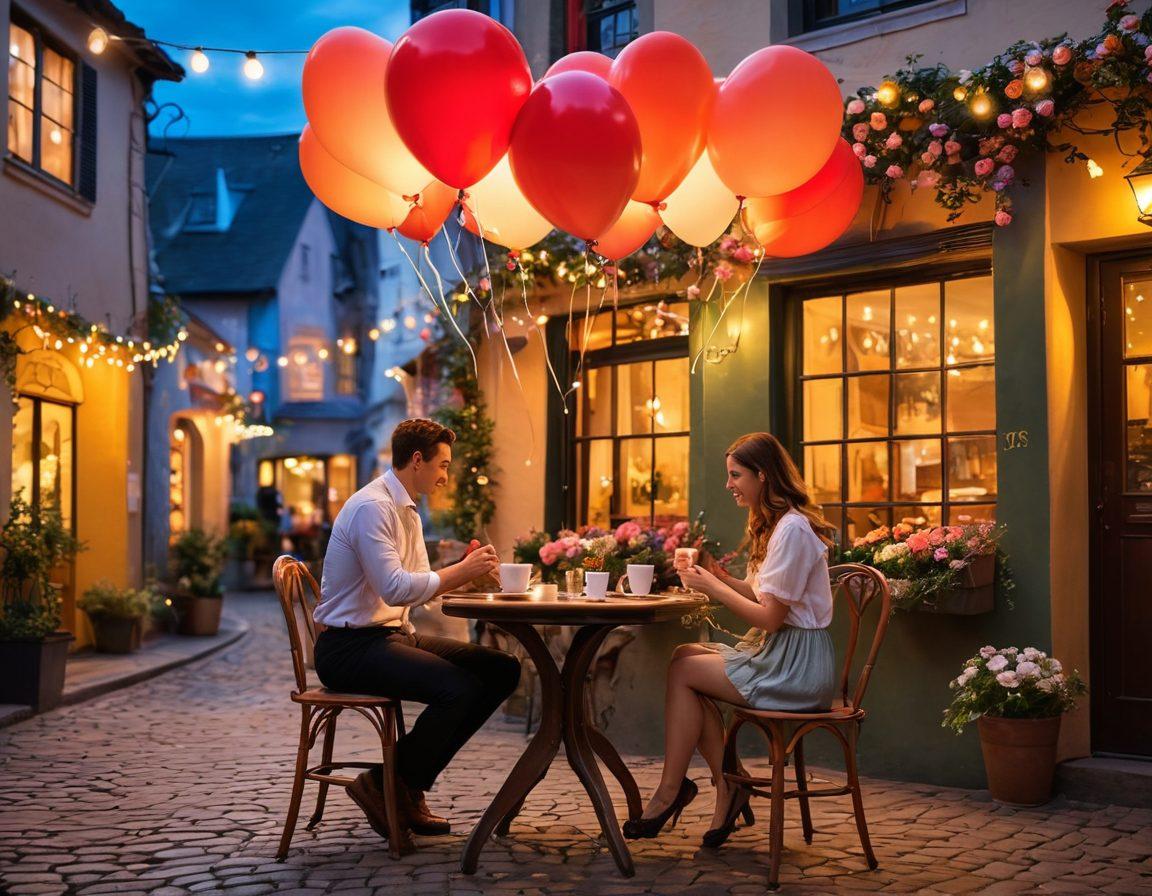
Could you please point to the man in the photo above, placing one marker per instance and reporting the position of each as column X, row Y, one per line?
column 375, row 570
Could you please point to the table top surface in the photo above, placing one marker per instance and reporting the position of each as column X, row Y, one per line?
column 566, row 609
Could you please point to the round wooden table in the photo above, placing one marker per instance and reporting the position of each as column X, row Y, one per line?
column 564, row 704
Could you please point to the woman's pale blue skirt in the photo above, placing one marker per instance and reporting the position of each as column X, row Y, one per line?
column 789, row 670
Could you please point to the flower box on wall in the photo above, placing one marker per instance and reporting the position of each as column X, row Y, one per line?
column 975, row 594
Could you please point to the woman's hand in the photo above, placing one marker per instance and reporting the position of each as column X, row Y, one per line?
column 699, row 579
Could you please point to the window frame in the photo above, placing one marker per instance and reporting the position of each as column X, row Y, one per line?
column 37, row 434
column 590, row 21
column 43, row 38
column 803, row 13
column 788, row 368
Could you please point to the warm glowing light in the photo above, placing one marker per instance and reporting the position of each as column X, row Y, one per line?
column 55, row 136
column 281, row 361
column 1036, row 79
column 960, row 94
column 374, row 334
column 98, row 41
column 388, row 326
column 888, row 94
column 542, row 319
column 1094, row 170
column 576, row 384
column 322, row 354
column 252, row 354
column 867, row 312
column 410, row 322
column 198, row 61
column 178, row 435
column 349, row 346
column 481, row 479
column 253, row 67
column 300, row 358
column 981, row 105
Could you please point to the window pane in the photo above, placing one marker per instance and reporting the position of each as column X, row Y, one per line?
column 971, row 398
column 835, row 515
column 19, row 131
column 651, row 320
column 867, row 406
column 1139, row 403
column 969, row 332
column 634, row 401
column 636, row 468
column 22, row 450
column 917, row 403
column 58, row 69
column 57, row 103
column 341, row 482
column 595, row 416
column 917, row 516
column 822, row 472
column 594, row 472
column 823, row 410
column 56, row 445
column 305, row 370
column 670, row 403
column 972, row 468
column 21, row 66
column 918, row 472
column 303, row 490
column 670, row 481
column 963, row 514
column 822, row 347
column 862, row 520
column 868, row 471
column 918, row 325
column 1137, row 318
column 868, row 330
column 56, row 150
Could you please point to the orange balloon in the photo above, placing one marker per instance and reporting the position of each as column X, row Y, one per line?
column 346, row 192
column 429, row 211
column 812, row 216
column 775, row 122
column 583, row 61
column 343, row 88
column 669, row 86
column 632, row 230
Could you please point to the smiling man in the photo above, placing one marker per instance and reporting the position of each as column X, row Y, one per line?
column 376, row 569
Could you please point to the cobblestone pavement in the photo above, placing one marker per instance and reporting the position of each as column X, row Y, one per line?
column 180, row 785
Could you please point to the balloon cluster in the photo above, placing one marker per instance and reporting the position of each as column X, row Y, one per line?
column 606, row 150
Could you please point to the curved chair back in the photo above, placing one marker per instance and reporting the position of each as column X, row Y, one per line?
column 299, row 594
column 860, row 587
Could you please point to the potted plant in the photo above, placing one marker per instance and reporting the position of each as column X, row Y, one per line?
column 1017, row 698
column 117, row 615
column 196, row 561
column 34, row 541
column 938, row 569
column 246, row 537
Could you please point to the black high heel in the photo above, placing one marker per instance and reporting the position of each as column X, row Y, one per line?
column 648, row 828
column 717, row 837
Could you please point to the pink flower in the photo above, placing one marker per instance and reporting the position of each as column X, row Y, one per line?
column 926, row 106
column 860, row 132
column 1148, row 53
column 1101, row 51
column 917, row 543
column 869, row 161
column 723, row 271
column 572, row 551
column 693, row 291
column 928, row 179
column 940, row 554
column 1033, row 57
column 1016, row 66
column 425, row 334
column 938, row 129
column 879, row 121
column 860, row 150
column 1009, row 679
column 1003, row 120
column 1130, row 22
column 997, row 663
column 728, row 244
column 743, row 255
column 1007, row 154
column 680, row 529
column 485, row 284
column 988, row 652
column 895, row 172
column 984, row 167
column 671, row 543
column 625, row 532
column 927, row 158
column 894, row 141
column 936, row 537
column 936, row 147
column 1021, row 118
column 1062, row 55
column 855, row 107
column 952, row 148
column 1045, row 108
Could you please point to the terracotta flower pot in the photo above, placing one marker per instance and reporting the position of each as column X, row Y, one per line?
column 1019, row 758
column 198, row 616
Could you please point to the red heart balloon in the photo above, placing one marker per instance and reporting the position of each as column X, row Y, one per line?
column 455, row 82
column 430, row 210
column 576, row 152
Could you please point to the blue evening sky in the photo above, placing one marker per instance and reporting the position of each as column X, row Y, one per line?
column 222, row 100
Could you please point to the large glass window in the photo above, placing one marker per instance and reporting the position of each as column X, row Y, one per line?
column 898, row 398
column 41, row 103
column 43, row 455
column 312, row 489
column 632, row 415
column 814, row 14
column 611, row 25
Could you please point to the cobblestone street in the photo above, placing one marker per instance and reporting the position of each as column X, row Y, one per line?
column 180, row 785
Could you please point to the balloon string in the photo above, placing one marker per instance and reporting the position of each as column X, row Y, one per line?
column 741, row 293
column 416, row 270
column 432, row 296
column 540, row 331
column 715, row 326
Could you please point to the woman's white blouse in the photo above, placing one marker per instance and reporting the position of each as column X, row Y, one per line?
column 795, row 572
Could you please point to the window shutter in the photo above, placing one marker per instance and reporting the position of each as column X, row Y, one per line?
column 86, row 182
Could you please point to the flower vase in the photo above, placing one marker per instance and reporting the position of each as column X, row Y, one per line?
column 1019, row 758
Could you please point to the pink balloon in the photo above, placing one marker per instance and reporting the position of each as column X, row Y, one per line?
column 632, row 230
column 582, row 61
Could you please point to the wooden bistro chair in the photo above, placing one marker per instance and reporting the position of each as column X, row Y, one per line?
column 320, row 708
column 860, row 587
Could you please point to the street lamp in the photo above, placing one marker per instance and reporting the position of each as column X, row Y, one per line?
column 1140, row 180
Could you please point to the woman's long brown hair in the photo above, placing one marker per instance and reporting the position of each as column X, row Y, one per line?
column 784, row 490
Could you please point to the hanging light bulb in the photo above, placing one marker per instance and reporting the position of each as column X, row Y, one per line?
column 960, row 94
column 253, row 67
column 981, row 105
column 98, row 41
column 888, row 93
column 199, row 61
column 1036, row 79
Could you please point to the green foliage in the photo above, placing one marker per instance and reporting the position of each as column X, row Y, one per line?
column 34, row 541
column 196, row 561
column 105, row 599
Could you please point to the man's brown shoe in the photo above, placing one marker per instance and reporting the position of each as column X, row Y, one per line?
column 420, row 817
column 365, row 794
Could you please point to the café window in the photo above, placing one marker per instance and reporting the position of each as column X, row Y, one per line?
column 42, row 108
column 898, row 404
column 44, row 455
column 183, row 444
column 610, row 25
column 812, row 15
column 631, row 415
column 312, row 488
column 304, row 371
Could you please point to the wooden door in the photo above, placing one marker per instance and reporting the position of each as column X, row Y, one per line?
column 1122, row 470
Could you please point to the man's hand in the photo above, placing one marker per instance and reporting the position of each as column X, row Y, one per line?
column 479, row 561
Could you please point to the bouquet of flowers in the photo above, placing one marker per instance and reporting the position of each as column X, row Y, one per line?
column 1011, row 684
column 593, row 548
column 922, row 563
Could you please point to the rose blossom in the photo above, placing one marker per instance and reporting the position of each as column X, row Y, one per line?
column 1130, row 22
column 952, row 148
column 1009, row 679
column 860, row 150
column 723, row 271
column 894, row 141
column 987, row 651
column 1014, row 89
column 938, row 129
column 1034, row 57
column 936, row 147
column 1021, row 118
column 860, row 132
column 856, row 106
column 1006, row 174
column 1045, row 108
column 895, row 172
column 743, row 254
column 1027, row 669
column 1148, row 54
column 928, row 179
column 879, row 121
column 997, row 662
column 940, row 554
column 1112, row 43
column 1003, row 120
column 927, row 158
column 917, row 543
column 984, row 167
column 869, row 161
column 1062, row 55
column 1007, row 154
column 1016, row 66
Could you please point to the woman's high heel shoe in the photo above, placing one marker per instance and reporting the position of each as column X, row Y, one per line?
column 717, row 837
column 648, row 828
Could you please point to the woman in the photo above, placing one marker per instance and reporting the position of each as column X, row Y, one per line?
column 786, row 662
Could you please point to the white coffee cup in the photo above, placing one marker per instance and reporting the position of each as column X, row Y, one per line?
column 514, row 577
column 685, row 558
column 638, row 578
column 596, row 585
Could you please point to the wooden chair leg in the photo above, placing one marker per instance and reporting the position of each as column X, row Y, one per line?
column 776, row 832
column 297, row 784
column 857, row 799
column 399, row 837
column 325, row 758
column 802, row 787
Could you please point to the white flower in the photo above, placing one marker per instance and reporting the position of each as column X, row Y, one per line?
column 987, row 651
column 997, row 663
column 1009, row 679
column 967, row 675
column 891, row 552
column 1027, row 669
